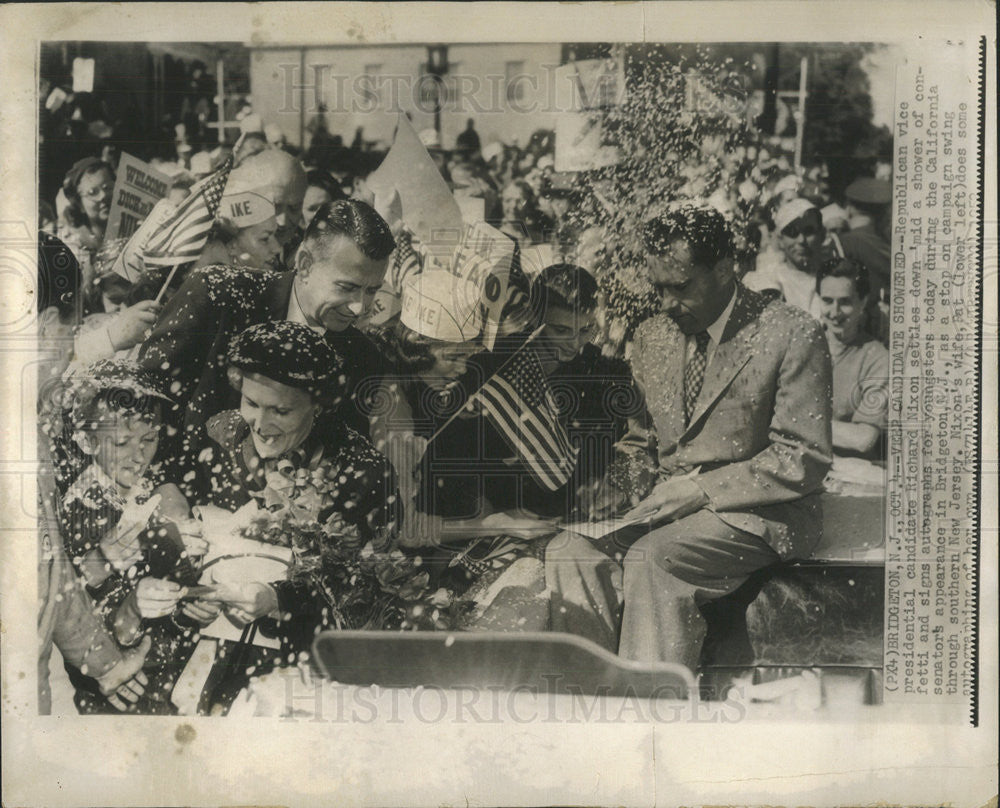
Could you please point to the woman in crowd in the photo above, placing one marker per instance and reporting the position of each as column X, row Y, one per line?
column 285, row 445
column 118, row 528
column 321, row 188
column 522, row 220
column 88, row 188
column 860, row 361
column 244, row 233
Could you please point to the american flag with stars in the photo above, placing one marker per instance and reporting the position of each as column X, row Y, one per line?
column 518, row 400
column 182, row 236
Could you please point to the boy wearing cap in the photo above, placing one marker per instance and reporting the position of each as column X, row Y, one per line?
column 789, row 272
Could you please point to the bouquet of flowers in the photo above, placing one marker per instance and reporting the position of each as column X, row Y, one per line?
column 360, row 584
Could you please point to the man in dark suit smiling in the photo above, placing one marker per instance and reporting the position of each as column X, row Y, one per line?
column 338, row 268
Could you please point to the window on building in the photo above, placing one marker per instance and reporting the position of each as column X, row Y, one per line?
column 447, row 86
column 372, row 77
column 512, row 81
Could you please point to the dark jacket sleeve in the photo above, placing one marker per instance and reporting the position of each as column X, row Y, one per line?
column 84, row 521
column 634, row 470
column 365, row 367
column 176, row 348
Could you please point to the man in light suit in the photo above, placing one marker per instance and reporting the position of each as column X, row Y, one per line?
column 725, row 465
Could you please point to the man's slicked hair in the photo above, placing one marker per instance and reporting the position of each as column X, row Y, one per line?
column 564, row 286
column 704, row 229
column 357, row 221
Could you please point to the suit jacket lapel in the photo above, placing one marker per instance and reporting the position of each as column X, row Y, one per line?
column 663, row 361
column 731, row 355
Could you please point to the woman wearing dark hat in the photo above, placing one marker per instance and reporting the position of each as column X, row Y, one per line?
column 290, row 382
column 88, row 187
column 323, row 490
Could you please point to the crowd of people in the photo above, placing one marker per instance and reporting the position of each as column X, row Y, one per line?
column 420, row 473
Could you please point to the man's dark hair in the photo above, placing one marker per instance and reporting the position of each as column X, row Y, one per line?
column 846, row 268
column 563, row 286
column 356, row 220
column 704, row 229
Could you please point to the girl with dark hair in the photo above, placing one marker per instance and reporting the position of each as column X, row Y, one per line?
column 428, row 348
column 433, row 433
column 860, row 361
column 321, row 188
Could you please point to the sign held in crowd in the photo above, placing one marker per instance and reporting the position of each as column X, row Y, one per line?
column 138, row 188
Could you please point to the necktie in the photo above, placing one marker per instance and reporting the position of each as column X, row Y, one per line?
column 694, row 373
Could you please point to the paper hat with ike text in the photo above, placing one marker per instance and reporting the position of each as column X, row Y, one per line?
column 245, row 208
column 441, row 306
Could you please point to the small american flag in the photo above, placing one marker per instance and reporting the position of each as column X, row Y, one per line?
column 182, row 237
column 518, row 400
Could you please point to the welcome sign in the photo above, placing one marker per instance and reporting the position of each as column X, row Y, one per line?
column 138, row 187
